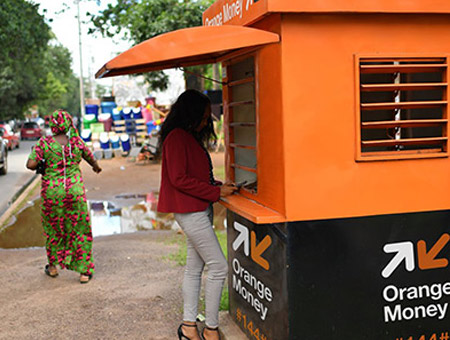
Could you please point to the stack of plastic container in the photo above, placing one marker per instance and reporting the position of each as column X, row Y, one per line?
column 88, row 120
column 137, row 113
column 115, row 142
column 107, row 121
column 107, row 107
column 126, row 113
column 105, row 145
column 126, row 145
column 116, row 114
column 91, row 109
column 86, row 135
column 115, row 145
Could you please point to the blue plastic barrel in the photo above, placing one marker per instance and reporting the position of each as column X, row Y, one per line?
column 86, row 135
column 116, row 114
column 137, row 113
column 126, row 113
column 104, row 141
column 125, row 139
column 107, row 107
column 91, row 109
column 115, row 142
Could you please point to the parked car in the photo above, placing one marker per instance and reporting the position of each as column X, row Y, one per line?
column 3, row 156
column 30, row 130
column 8, row 134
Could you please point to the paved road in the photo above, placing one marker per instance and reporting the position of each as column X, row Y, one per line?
column 17, row 174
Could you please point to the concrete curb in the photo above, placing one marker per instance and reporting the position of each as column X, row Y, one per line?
column 18, row 198
column 228, row 328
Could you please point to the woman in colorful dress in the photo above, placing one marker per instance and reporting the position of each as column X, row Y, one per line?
column 64, row 211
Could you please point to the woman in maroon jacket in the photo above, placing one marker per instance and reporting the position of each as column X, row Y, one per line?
column 188, row 190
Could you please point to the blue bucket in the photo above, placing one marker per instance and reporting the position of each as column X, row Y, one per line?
column 107, row 107
column 126, row 113
column 116, row 114
column 91, row 109
column 125, row 139
column 86, row 135
column 137, row 113
column 115, row 142
column 104, row 141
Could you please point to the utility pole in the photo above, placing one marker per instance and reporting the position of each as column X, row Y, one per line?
column 82, row 107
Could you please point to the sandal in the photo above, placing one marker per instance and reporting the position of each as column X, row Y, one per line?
column 180, row 331
column 49, row 273
column 85, row 278
column 202, row 335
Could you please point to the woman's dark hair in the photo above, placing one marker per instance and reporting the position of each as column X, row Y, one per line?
column 187, row 113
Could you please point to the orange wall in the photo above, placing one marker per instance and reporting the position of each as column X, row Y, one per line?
column 323, row 180
column 271, row 183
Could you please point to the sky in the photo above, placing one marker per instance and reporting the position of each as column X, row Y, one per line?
column 96, row 50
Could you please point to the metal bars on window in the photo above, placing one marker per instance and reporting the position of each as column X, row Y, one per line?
column 403, row 108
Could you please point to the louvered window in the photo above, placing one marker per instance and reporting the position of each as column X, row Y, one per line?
column 241, row 107
column 403, row 108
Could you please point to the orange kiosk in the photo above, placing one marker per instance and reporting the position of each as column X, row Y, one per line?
column 336, row 116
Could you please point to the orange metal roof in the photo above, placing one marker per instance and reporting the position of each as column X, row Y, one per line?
column 360, row 6
column 239, row 12
column 185, row 47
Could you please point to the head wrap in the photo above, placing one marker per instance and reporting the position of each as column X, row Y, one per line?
column 61, row 123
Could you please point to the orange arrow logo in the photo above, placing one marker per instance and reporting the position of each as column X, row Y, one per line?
column 429, row 260
column 257, row 250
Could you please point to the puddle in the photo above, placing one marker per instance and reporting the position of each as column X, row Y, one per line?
column 25, row 229
column 108, row 218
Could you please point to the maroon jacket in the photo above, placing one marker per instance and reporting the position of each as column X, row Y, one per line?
column 185, row 182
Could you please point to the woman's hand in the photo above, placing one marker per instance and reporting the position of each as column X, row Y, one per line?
column 227, row 189
column 96, row 168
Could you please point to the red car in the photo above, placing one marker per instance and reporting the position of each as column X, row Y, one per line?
column 30, row 130
column 8, row 134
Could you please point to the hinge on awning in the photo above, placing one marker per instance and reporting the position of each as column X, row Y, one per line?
column 203, row 77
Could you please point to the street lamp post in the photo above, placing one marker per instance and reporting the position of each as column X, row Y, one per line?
column 82, row 107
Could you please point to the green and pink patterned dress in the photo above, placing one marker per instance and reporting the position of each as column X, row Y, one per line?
column 65, row 215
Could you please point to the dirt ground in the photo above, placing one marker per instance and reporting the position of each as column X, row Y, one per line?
column 135, row 293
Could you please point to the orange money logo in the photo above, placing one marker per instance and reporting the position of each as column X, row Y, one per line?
column 255, row 250
column 427, row 259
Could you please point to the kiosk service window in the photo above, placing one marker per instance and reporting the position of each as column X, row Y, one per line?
column 242, row 127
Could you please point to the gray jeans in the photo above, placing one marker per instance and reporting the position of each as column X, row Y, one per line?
column 202, row 248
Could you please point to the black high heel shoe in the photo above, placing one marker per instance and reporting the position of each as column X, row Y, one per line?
column 202, row 335
column 181, row 336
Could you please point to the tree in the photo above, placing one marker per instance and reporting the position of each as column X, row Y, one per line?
column 60, row 84
column 140, row 20
column 23, row 39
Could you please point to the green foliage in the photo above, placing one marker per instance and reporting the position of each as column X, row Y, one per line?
column 179, row 257
column 23, row 39
column 34, row 69
column 61, row 87
column 224, row 300
column 140, row 20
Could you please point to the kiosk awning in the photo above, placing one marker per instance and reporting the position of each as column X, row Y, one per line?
column 185, row 47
